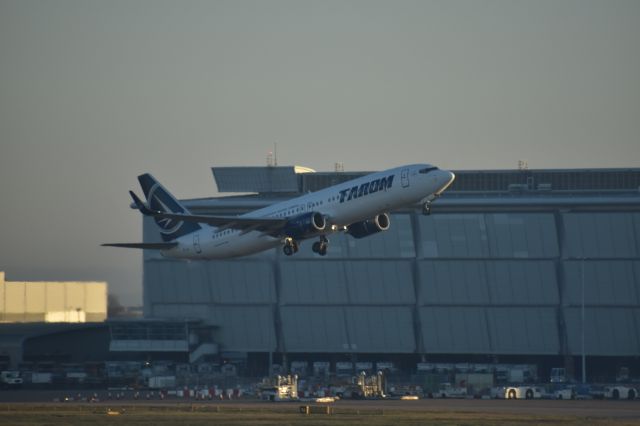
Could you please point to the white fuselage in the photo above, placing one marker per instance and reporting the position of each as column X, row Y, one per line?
column 349, row 202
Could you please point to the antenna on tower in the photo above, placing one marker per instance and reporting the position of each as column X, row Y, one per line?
column 275, row 154
column 272, row 156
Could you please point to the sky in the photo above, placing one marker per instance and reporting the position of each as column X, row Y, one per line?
column 94, row 93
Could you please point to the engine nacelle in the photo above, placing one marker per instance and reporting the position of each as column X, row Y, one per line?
column 367, row 227
column 305, row 225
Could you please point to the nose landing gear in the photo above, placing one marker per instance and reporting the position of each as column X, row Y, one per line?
column 426, row 208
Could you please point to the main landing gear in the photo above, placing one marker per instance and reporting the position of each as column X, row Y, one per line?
column 320, row 247
column 290, row 246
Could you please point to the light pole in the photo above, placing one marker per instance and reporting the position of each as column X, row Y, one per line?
column 584, row 365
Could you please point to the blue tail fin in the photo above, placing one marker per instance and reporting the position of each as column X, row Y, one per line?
column 158, row 198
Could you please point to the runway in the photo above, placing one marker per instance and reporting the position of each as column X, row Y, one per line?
column 589, row 409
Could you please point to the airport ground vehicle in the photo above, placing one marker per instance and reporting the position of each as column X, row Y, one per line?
column 558, row 375
column 447, row 390
column 10, row 379
column 620, row 392
column 279, row 388
column 522, row 392
column 566, row 393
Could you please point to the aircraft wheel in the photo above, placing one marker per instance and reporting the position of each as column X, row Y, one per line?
column 288, row 250
column 322, row 251
column 426, row 208
column 316, row 247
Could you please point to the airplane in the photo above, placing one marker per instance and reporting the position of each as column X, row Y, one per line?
column 358, row 207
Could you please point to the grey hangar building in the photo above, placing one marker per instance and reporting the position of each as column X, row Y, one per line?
column 498, row 272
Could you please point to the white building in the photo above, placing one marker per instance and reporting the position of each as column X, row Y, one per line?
column 52, row 301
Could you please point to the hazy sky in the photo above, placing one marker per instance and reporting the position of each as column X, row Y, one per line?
column 93, row 93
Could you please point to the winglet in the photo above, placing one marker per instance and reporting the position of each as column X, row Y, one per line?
column 140, row 205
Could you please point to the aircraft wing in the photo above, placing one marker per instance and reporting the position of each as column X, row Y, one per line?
column 150, row 246
column 265, row 225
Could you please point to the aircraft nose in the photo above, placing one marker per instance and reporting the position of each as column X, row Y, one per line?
column 450, row 177
column 447, row 178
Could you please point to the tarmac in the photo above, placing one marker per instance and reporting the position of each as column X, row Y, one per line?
column 595, row 409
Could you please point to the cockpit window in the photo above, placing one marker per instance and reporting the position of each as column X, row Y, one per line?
column 427, row 170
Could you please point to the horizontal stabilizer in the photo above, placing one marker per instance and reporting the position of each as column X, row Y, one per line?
column 150, row 246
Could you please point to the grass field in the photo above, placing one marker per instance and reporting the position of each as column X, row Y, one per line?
column 187, row 414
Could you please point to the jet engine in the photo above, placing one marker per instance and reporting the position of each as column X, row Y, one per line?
column 367, row 227
column 305, row 225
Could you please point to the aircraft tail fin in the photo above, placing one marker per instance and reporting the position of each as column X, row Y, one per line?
column 161, row 200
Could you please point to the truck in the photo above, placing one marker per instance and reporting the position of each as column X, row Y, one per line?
column 41, row 379
column 564, row 393
column 558, row 375
column 10, row 379
column 522, row 392
column 447, row 390
column 279, row 388
column 162, row 382
column 372, row 386
column 620, row 392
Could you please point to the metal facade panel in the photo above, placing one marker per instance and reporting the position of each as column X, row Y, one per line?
column 601, row 235
column 152, row 286
column 55, row 298
column 522, row 235
column 243, row 328
column 240, row 282
column 15, row 297
column 255, row 179
column 314, row 329
column 175, row 284
column 210, row 282
column 477, row 235
column 35, row 298
column 526, row 331
column 608, row 282
column 74, row 295
column 453, row 282
column 358, row 282
column 491, row 282
column 96, row 298
column 311, row 282
column 181, row 311
column 608, row 331
column 454, row 330
column 453, row 235
column 380, row 329
column 513, row 282
column 379, row 282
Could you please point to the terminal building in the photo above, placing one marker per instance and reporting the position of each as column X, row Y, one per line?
column 501, row 271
